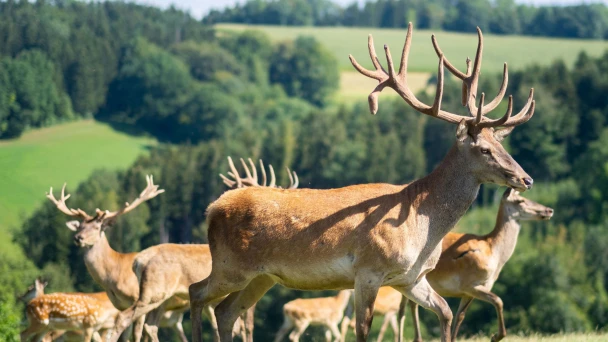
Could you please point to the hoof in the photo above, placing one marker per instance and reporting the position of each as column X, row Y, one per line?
column 496, row 338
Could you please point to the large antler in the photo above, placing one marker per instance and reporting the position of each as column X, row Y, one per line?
column 251, row 178
column 398, row 82
column 60, row 204
column 148, row 193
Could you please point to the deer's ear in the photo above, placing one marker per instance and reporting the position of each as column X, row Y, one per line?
column 501, row 134
column 73, row 225
column 462, row 130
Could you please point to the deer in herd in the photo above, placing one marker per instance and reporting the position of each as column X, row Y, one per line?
column 166, row 271
column 111, row 269
column 360, row 236
column 86, row 312
column 387, row 306
column 470, row 264
column 326, row 311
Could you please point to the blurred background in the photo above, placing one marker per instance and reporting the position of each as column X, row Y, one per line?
column 98, row 94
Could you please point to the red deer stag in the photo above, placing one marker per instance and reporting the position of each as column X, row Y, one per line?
column 166, row 271
column 110, row 269
column 360, row 236
column 470, row 264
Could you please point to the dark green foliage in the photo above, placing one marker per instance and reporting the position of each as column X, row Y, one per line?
column 305, row 69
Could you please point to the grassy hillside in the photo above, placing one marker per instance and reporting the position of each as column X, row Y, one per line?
column 519, row 51
column 51, row 156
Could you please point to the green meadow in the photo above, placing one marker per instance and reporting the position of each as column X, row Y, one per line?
column 51, row 156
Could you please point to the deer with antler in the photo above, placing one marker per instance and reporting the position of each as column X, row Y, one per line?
column 166, row 271
column 110, row 269
column 470, row 264
column 360, row 236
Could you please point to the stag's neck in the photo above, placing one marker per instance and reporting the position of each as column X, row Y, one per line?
column 503, row 238
column 101, row 260
column 446, row 194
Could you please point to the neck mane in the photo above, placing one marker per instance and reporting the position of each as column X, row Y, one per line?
column 445, row 195
column 101, row 259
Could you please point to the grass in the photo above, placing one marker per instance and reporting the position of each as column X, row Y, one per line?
column 50, row 156
column 518, row 51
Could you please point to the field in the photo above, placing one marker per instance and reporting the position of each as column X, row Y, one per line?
column 519, row 51
column 50, row 156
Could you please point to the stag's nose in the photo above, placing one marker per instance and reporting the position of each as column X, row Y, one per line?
column 528, row 182
column 549, row 211
column 77, row 239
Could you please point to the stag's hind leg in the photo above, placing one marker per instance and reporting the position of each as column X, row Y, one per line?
column 423, row 294
column 210, row 291
column 238, row 302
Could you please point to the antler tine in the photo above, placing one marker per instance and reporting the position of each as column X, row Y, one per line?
column 148, row 193
column 296, row 182
column 503, row 119
column 523, row 114
column 62, row 206
column 253, row 170
column 479, row 115
column 263, row 169
column 398, row 82
column 471, row 78
column 293, row 179
column 229, row 182
column 235, row 173
column 272, row 177
column 250, row 180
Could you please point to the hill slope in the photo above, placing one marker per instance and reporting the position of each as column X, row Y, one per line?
column 519, row 51
column 50, row 156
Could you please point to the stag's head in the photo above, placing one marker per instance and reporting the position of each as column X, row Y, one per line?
column 90, row 229
column 478, row 138
column 520, row 208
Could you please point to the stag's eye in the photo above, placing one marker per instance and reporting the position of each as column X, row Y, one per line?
column 485, row 150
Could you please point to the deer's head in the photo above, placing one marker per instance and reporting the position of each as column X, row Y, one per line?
column 34, row 290
column 478, row 138
column 520, row 208
column 90, row 229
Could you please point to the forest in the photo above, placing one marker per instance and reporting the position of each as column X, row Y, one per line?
column 206, row 96
column 587, row 20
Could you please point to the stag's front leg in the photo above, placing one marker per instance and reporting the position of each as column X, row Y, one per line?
column 423, row 294
column 366, row 290
column 238, row 302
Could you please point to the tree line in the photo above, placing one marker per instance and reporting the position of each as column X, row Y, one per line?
column 500, row 17
column 210, row 95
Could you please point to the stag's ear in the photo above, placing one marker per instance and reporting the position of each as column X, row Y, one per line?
column 462, row 131
column 73, row 225
column 501, row 134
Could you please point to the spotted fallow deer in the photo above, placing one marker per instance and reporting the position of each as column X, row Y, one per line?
column 166, row 271
column 387, row 306
column 361, row 236
column 325, row 311
column 110, row 269
column 470, row 264
column 69, row 311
